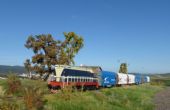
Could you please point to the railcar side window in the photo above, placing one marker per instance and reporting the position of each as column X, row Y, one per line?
column 69, row 72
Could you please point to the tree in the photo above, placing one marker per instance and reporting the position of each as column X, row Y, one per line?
column 49, row 52
column 123, row 68
column 27, row 65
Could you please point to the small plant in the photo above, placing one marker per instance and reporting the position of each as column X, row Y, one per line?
column 13, row 85
column 33, row 98
column 67, row 91
column 8, row 105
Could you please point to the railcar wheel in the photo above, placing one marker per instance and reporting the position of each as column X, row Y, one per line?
column 49, row 86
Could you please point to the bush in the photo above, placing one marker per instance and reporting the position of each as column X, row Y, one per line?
column 13, row 85
column 32, row 97
column 29, row 93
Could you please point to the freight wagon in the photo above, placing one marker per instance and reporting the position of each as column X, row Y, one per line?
column 138, row 79
column 147, row 79
column 107, row 79
column 131, row 79
column 122, row 79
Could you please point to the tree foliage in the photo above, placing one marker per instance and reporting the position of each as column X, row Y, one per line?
column 49, row 52
column 123, row 68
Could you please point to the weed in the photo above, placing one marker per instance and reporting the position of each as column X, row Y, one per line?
column 13, row 85
column 32, row 97
column 9, row 104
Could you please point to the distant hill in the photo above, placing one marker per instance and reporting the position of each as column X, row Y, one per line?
column 14, row 69
column 165, row 75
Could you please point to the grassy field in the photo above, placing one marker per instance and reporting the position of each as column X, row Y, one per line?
column 2, row 83
column 118, row 98
column 161, row 79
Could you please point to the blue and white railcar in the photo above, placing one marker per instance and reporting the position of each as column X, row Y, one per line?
column 138, row 79
column 145, row 78
column 107, row 79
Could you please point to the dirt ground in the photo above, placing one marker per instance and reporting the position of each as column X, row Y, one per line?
column 162, row 100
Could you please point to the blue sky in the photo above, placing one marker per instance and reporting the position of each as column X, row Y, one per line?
column 115, row 31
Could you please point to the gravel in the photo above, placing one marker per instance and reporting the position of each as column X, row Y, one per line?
column 162, row 100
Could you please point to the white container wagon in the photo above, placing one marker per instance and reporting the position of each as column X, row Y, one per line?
column 147, row 79
column 122, row 79
column 131, row 79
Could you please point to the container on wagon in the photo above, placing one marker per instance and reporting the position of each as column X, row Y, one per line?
column 143, row 79
column 131, row 79
column 107, row 79
column 122, row 79
column 138, row 79
column 147, row 79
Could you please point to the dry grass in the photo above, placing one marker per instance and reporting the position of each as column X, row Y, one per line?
column 22, row 95
column 1, row 91
column 2, row 87
column 32, row 97
column 13, row 85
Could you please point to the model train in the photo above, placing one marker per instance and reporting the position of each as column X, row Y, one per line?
column 90, row 77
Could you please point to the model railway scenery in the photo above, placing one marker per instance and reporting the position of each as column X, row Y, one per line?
column 83, row 87
column 84, row 55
